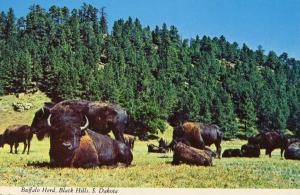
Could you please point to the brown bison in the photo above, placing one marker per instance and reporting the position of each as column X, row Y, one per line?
column 73, row 145
column 269, row 141
column 103, row 117
column 189, row 155
column 199, row 135
column 14, row 135
column 156, row 149
column 232, row 153
column 293, row 151
column 250, row 150
column 288, row 141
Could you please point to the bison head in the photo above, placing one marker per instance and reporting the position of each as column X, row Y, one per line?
column 39, row 123
column 66, row 133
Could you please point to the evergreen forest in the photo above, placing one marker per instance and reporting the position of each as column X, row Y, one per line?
column 154, row 73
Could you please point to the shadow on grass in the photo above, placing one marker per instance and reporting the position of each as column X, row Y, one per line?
column 40, row 164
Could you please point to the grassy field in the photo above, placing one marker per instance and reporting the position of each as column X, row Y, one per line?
column 147, row 170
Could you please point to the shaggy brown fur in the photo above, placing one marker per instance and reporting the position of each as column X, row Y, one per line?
column 94, row 150
column 103, row 117
column 190, row 155
column 14, row 135
column 269, row 141
column 198, row 135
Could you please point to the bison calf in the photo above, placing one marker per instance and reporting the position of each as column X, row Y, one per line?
column 14, row 135
column 190, row 155
column 293, row 151
column 232, row 153
column 250, row 150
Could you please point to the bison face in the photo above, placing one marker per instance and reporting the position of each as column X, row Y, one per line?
column 39, row 124
column 67, row 137
column 67, row 134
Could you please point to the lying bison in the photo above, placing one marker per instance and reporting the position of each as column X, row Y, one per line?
column 199, row 135
column 268, row 141
column 293, row 151
column 250, row 150
column 287, row 142
column 189, row 155
column 14, row 135
column 156, row 149
column 103, row 117
column 232, row 153
column 73, row 145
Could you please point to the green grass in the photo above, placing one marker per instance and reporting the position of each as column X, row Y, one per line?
column 147, row 170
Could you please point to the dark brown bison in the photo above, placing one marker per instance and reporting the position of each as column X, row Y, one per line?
column 14, row 135
column 288, row 141
column 129, row 140
column 269, row 141
column 156, row 149
column 293, row 151
column 190, row 155
column 103, row 117
column 232, row 153
column 250, row 150
column 39, row 124
column 72, row 145
column 199, row 135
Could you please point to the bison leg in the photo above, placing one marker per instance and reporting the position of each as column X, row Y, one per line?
column 281, row 152
column 219, row 149
column 28, row 146
column 16, row 147
column 25, row 146
column 11, row 148
column 268, row 152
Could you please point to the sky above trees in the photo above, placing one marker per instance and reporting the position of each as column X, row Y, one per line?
column 272, row 24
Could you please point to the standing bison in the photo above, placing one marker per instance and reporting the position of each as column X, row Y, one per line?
column 14, row 135
column 198, row 135
column 268, row 141
column 72, row 144
column 103, row 117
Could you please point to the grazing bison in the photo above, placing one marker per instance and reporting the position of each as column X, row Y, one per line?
column 250, row 150
column 103, row 117
column 268, row 141
column 232, row 153
column 199, row 135
column 129, row 140
column 14, row 135
column 189, row 155
column 156, row 149
column 293, row 151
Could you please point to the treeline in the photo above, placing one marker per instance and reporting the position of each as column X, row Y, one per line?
column 153, row 73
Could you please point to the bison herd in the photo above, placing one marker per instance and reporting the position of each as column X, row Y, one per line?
column 78, row 132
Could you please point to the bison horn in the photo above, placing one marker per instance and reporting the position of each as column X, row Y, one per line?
column 48, row 120
column 86, row 124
